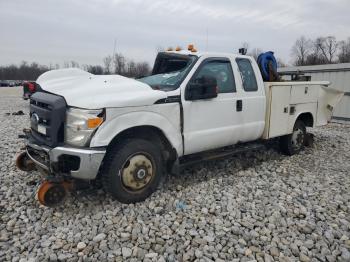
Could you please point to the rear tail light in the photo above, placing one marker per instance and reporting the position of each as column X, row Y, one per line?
column 31, row 87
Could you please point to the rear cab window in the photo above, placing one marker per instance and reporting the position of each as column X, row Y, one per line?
column 247, row 74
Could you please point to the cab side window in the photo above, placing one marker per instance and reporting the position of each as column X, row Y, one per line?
column 221, row 70
column 247, row 74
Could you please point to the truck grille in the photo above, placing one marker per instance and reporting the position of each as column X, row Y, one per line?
column 47, row 115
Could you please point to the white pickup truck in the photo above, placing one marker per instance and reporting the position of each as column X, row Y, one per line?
column 129, row 133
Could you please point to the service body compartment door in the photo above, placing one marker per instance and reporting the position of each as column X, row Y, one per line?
column 301, row 94
column 279, row 110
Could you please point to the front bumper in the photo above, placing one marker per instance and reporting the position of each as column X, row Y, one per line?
column 75, row 162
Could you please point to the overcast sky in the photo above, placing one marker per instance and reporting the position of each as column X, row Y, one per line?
column 85, row 30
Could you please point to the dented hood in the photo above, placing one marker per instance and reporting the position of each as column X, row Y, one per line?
column 85, row 90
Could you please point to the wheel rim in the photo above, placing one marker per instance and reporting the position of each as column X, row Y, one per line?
column 24, row 163
column 51, row 194
column 137, row 172
column 297, row 139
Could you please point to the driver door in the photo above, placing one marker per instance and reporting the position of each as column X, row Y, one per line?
column 215, row 122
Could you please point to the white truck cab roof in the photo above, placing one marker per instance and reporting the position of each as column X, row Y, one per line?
column 208, row 54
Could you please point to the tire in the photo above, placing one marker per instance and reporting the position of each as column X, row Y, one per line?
column 295, row 142
column 132, row 170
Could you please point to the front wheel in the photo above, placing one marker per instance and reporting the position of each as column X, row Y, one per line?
column 132, row 170
column 295, row 142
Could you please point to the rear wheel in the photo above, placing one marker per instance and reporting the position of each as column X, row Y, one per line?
column 132, row 170
column 295, row 142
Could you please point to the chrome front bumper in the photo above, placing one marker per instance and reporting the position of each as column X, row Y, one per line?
column 48, row 158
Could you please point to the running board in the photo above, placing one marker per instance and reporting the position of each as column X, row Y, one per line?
column 193, row 159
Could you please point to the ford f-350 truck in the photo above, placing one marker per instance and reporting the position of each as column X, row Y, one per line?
column 130, row 133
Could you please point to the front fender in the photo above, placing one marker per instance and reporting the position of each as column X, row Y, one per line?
column 117, row 124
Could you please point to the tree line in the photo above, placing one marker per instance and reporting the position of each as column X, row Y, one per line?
column 320, row 51
column 24, row 71
column 112, row 64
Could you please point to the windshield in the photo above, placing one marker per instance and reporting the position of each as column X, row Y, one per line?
column 169, row 71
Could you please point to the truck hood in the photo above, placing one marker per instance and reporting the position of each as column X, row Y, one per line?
column 85, row 90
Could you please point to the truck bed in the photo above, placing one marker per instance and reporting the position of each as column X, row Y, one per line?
column 286, row 101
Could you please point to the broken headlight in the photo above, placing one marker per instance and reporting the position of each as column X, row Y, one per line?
column 81, row 125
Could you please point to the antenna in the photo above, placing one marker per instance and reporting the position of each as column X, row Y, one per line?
column 206, row 43
column 115, row 43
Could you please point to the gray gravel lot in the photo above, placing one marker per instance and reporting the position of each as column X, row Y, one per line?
column 259, row 206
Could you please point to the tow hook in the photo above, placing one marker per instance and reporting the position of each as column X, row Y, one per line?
column 24, row 163
column 52, row 193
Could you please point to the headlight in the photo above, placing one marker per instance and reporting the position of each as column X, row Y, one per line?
column 81, row 125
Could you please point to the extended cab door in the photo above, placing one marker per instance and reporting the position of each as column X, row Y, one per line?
column 237, row 114
column 252, row 92
column 215, row 122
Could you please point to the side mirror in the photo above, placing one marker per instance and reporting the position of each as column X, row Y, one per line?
column 202, row 88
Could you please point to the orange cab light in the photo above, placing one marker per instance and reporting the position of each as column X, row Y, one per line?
column 194, row 50
column 94, row 122
column 170, row 49
column 190, row 47
column 178, row 48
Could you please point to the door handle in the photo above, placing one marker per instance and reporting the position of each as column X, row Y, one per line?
column 239, row 105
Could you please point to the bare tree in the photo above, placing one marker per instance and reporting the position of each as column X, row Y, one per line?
column 107, row 61
column 300, row 50
column 143, row 69
column 137, row 70
column 328, row 46
column 74, row 64
column 316, row 57
column 344, row 51
column 119, row 64
column 131, row 68
column 95, row 69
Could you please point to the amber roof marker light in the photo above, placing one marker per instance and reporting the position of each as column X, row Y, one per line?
column 191, row 48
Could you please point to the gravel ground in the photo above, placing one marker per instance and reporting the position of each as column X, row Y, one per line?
column 260, row 206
